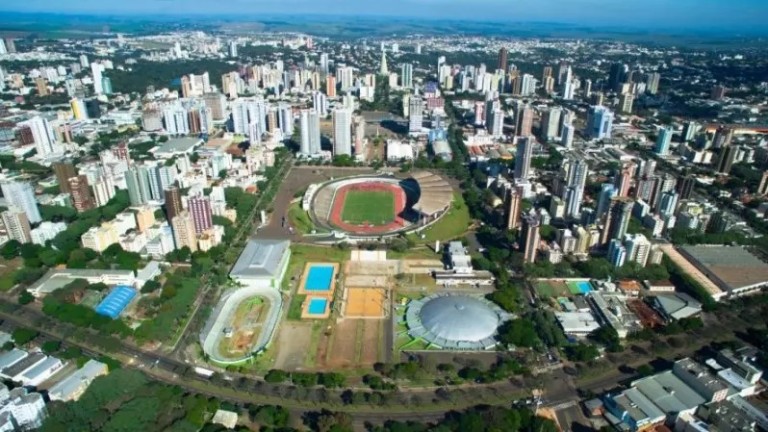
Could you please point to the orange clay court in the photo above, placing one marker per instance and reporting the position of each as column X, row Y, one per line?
column 365, row 303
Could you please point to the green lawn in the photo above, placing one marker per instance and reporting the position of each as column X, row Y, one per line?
column 453, row 224
column 300, row 219
column 368, row 207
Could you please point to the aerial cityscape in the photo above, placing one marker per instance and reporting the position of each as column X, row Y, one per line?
column 383, row 217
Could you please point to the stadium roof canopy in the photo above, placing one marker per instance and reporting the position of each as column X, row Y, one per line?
column 455, row 321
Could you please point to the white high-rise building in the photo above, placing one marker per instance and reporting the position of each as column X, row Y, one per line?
column 415, row 114
column 176, row 120
column 523, row 157
column 310, row 132
column 576, row 178
column 103, row 190
column 324, row 63
column 496, row 128
column 16, row 225
column 320, row 103
column 342, row 132
column 406, row 72
column 246, row 112
column 21, row 196
column 528, row 86
column 599, row 122
column 96, row 74
column 345, row 76
column 285, row 119
column 638, row 247
column 43, row 135
column 550, row 123
column 567, row 138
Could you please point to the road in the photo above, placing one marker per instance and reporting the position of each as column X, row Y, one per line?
column 208, row 296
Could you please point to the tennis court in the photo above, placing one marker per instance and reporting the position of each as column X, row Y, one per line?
column 579, row 287
column 117, row 300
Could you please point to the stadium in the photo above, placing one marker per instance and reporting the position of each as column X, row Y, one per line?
column 379, row 206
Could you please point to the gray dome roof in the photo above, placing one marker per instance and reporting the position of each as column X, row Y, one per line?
column 459, row 318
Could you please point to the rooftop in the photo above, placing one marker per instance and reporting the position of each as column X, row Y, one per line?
column 177, row 145
column 668, row 392
column 74, row 382
column 730, row 267
column 58, row 278
column 260, row 259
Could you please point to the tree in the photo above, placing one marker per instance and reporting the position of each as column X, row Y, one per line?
column 581, row 352
column 519, row 332
column 26, row 298
column 276, row 376
column 10, row 249
column 22, row 336
column 607, row 336
column 50, row 347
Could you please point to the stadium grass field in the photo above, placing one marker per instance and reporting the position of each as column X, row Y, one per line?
column 368, row 207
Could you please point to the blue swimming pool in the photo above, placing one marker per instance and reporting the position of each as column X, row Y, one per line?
column 319, row 278
column 317, row 306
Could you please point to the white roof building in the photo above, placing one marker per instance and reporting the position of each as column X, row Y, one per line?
column 577, row 323
column 74, row 385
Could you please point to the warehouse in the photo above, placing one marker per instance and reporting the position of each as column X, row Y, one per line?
column 262, row 264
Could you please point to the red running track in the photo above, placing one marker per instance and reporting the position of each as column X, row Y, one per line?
column 341, row 197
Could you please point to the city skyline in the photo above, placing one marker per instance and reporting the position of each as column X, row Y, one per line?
column 684, row 14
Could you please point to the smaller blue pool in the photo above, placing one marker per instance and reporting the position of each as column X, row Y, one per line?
column 317, row 306
column 319, row 278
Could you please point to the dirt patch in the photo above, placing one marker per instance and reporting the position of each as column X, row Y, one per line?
column 365, row 303
column 343, row 350
column 370, row 342
column 292, row 343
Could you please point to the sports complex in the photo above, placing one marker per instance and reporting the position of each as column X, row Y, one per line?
column 379, row 206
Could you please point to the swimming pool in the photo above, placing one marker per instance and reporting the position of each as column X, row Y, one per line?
column 319, row 278
column 579, row 287
column 317, row 306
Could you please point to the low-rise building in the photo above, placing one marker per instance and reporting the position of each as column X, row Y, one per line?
column 74, row 385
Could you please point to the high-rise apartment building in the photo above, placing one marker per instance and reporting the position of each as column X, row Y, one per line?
column 550, row 124
column 406, row 75
column 726, row 159
column 514, row 208
column 503, row 59
column 82, row 199
column 415, row 114
column 617, row 221
column 599, row 123
column 17, row 226
column 173, row 206
column 200, row 209
column 20, row 196
column 663, row 142
column 530, row 238
column 63, row 172
column 577, row 170
column 310, row 132
column 184, row 231
column 342, row 132
column 43, row 135
column 523, row 157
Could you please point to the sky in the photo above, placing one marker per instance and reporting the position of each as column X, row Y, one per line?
column 699, row 14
